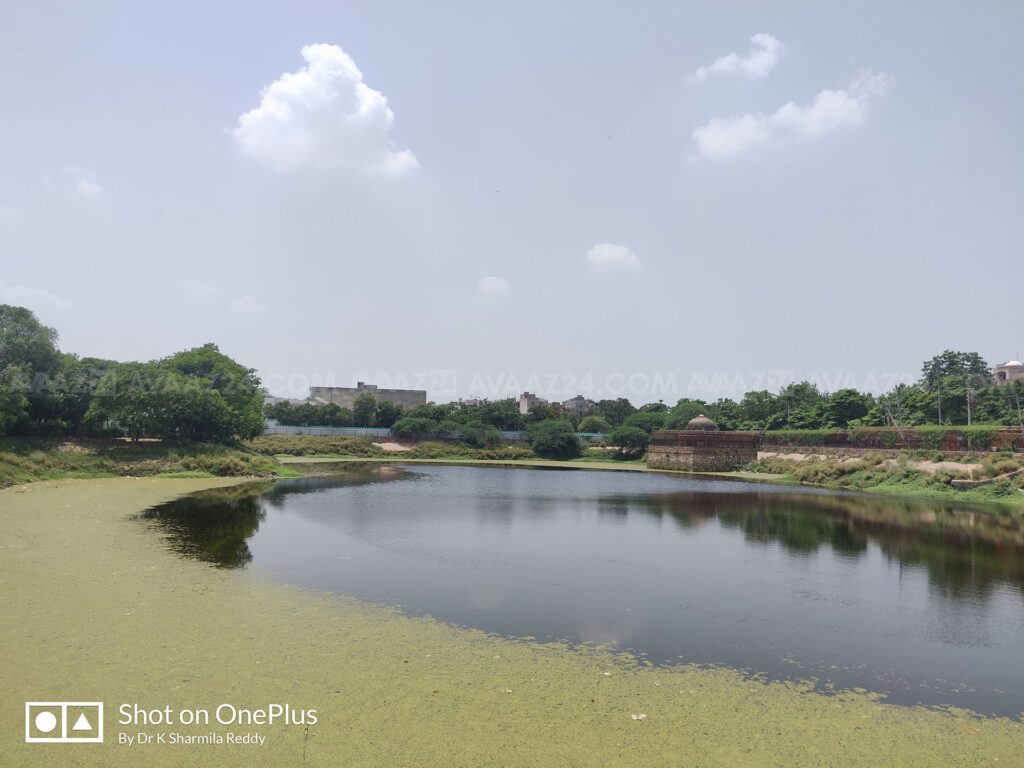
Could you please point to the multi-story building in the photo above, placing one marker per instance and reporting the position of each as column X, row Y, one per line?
column 528, row 401
column 345, row 397
column 577, row 406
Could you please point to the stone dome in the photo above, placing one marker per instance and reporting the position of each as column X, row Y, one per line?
column 701, row 422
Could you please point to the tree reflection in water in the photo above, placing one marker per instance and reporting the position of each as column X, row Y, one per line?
column 967, row 551
column 215, row 525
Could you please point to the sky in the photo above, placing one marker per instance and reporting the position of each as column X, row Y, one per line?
column 650, row 200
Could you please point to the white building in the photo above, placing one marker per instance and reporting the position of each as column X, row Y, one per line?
column 1011, row 370
column 528, row 401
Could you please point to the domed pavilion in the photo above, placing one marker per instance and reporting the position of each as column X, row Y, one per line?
column 701, row 447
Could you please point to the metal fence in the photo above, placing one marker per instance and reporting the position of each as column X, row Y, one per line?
column 379, row 432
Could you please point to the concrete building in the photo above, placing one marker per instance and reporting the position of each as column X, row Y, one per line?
column 345, row 397
column 701, row 448
column 528, row 401
column 1011, row 370
column 577, row 406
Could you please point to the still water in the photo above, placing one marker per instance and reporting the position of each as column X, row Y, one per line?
column 919, row 601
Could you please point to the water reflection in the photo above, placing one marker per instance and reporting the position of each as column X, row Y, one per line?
column 968, row 552
column 215, row 525
column 922, row 601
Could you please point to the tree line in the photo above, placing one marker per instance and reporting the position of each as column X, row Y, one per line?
column 203, row 395
column 955, row 388
column 199, row 394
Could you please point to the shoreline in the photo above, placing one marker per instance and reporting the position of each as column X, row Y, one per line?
column 1012, row 503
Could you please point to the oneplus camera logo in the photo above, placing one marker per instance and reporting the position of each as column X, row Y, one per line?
column 63, row 722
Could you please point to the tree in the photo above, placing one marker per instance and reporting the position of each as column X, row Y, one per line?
column 234, row 395
column 476, row 434
column 760, row 410
column 408, row 426
column 594, row 423
column 13, row 403
column 26, row 342
column 614, row 411
column 364, row 410
column 554, row 438
column 646, row 421
column 843, row 406
column 658, row 407
column 542, row 412
column 387, row 413
column 501, row 414
column 631, row 441
column 199, row 395
column 955, row 379
column 59, row 404
column 684, row 410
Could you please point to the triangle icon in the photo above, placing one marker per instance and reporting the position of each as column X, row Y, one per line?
column 82, row 724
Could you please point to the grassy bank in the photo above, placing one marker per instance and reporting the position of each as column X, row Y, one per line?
column 915, row 474
column 313, row 449
column 98, row 608
column 29, row 460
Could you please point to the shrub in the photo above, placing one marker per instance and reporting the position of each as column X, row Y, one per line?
column 594, row 423
column 305, row 445
column 555, row 439
column 630, row 441
column 410, row 426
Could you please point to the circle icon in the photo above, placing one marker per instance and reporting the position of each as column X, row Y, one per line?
column 46, row 722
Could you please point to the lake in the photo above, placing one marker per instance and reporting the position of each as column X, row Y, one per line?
column 920, row 601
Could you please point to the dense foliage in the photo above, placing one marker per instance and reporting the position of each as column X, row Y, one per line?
column 554, row 439
column 198, row 394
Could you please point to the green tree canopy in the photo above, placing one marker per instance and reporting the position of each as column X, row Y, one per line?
column 631, row 441
column 614, row 411
column 364, row 410
column 594, row 423
column 554, row 438
column 26, row 342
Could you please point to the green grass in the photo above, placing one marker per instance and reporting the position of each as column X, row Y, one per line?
column 874, row 474
column 30, row 460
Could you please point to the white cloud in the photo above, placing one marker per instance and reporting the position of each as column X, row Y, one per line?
column 722, row 138
column 764, row 54
column 88, row 188
column 22, row 295
column 74, row 180
column 493, row 286
column 607, row 257
column 247, row 305
column 323, row 116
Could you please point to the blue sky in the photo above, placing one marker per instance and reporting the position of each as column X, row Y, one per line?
column 648, row 200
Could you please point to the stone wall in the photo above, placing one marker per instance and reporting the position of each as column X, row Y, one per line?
column 686, row 459
column 701, row 451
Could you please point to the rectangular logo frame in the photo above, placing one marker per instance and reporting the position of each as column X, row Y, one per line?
column 62, row 706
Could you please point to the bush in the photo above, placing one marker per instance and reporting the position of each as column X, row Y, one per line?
column 410, row 426
column 305, row 445
column 594, row 423
column 630, row 441
column 554, row 439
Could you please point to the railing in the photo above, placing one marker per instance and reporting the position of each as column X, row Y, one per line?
column 508, row 435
